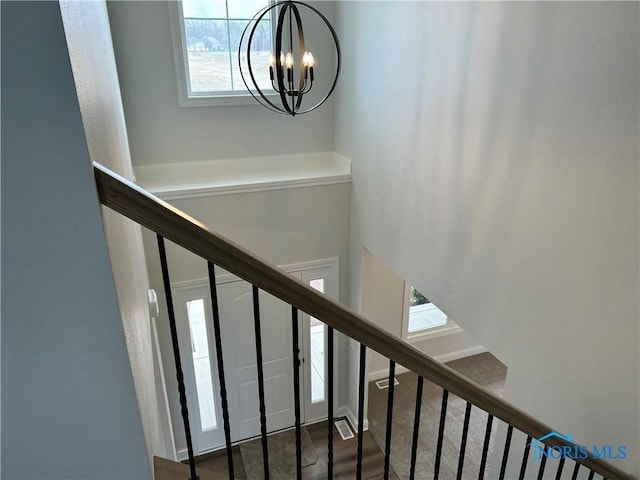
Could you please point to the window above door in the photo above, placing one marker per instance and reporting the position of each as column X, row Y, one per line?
column 206, row 36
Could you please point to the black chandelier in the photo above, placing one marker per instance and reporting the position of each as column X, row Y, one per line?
column 291, row 70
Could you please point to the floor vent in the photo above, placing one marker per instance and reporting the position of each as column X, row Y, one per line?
column 344, row 429
column 385, row 383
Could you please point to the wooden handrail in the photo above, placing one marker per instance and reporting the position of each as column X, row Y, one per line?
column 149, row 211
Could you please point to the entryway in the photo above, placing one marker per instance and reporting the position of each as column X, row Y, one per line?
column 197, row 344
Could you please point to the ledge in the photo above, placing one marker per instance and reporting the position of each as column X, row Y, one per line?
column 175, row 181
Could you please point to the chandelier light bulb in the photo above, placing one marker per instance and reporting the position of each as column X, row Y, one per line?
column 289, row 60
column 308, row 60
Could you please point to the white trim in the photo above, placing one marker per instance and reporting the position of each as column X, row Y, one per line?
column 229, row 277
column 176, row 181
column 182, row 454
column 458, row 354
column 345, row 411
column 450, row 329
column 442, row 358
column 384, row 373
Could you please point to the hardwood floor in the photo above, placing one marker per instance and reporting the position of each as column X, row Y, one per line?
column 164, row 469
column 344, row 458
column 217, row 462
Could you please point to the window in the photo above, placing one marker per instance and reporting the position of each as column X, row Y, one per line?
column 317, row 341
column 202, row 363
column 422, row 318
column 207, row 35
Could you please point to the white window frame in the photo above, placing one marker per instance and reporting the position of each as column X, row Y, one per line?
column 429, row 333
column 207, row 99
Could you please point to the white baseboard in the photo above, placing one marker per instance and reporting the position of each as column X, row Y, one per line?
column 458, row 354
column 182, row 455
column 384, row 373
column 445, row 357
column 345, row 411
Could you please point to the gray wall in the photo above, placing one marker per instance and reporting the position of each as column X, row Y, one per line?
column 91, row 52
column 68, row 403
column 162, row 132
column 495, row 163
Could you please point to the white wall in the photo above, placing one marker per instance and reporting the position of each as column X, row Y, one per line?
column 495, row 164
column 384, row 304
column 68, row 403
column 96, row 79
column 162, row 132
column 282, row 226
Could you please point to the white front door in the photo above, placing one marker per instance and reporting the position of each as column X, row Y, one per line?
column 197, row 345
column 239, row 348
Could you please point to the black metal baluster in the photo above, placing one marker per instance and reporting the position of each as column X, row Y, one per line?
column 505, row 454
column 574, row 475
column 330, row 402
column 525, row 457
column 443, row 417
column 485, row 447
column 416, row 429
column 223, row 386
column 363, row 358
column 263, row 414
column 590, row 477
column 543, row 462
column 559, row 470
column 176, row 355
column 296, row 389
column 387, row 445
column 463, row 440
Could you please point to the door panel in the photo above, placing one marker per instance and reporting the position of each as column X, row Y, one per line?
column 237, row 324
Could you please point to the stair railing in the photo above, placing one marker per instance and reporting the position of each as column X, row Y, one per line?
column 168, row 222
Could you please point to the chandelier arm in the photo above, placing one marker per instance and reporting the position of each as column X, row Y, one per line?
column 307, row 86
column 301, row 48
column 256, row 18
column 279, row 67
column 290, row 70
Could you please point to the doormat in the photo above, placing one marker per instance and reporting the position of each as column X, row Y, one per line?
column 282, row 455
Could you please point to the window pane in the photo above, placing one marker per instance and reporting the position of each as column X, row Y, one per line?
column 261, row 48
column 417, row 298
column 245, row 8
column 204, row 8
column 317, row 351
column 202, row 364
column 208, row 55
column 425, row 316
